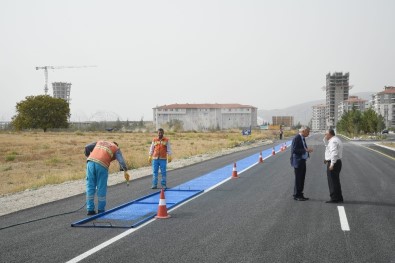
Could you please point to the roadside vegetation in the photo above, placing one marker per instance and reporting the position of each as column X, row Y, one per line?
column 367, row 124
column 33, row 159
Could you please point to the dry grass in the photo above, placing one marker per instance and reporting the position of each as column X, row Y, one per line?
column 30, row 160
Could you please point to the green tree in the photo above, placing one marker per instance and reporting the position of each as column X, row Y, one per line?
column 298, row 126
column 371, row 121
column 41, row 112
column 349, row 122
column 354, row 122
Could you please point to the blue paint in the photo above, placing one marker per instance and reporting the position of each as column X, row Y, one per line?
column 143, row 209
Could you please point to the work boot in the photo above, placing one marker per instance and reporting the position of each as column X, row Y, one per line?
column 100, row 211
column 91, row 213
column 154, row 187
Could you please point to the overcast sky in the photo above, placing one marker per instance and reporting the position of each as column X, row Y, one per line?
column 148, row 53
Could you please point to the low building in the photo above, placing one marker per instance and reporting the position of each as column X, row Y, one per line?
column 201, row 117
column 287, row 121
column 5, row 125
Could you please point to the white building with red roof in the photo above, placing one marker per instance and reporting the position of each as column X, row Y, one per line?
column 353, row 102
column 201, row 117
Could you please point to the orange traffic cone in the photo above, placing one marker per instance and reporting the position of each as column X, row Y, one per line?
column 234, row 172
column 282, row 148
column 260, row 157
column 285, row 146
column 162, row 209
column 273, row 152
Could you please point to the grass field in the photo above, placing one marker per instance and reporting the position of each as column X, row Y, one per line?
column 30, row 160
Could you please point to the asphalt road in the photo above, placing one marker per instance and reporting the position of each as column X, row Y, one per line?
column 250, row 219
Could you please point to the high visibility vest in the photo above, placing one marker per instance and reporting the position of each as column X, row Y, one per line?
column 103, row 153
column 160, row 148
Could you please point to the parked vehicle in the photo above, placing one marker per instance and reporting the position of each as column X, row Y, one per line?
column 384, row 131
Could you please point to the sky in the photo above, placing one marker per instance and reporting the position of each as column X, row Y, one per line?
column 270, row 54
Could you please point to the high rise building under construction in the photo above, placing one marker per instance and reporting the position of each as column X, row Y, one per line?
column 62, row 90
column 337, row 90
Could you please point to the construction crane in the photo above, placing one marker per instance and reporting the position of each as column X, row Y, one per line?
column 45, row 68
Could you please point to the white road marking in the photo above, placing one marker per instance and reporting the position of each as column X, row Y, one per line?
column 105, row 244
column 343, row 218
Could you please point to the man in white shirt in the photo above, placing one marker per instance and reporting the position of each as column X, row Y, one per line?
column 333, row 155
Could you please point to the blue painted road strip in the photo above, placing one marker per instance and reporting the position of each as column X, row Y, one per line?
column 143, row 209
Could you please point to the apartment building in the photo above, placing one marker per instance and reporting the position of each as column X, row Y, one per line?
column 384, row 103
column 337, row 90
column 318, row 122
column 350, row 103
column 201, row 117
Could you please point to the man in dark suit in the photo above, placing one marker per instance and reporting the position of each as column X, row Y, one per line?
column 299, row 154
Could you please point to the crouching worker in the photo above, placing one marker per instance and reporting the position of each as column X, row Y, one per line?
column 100, row 155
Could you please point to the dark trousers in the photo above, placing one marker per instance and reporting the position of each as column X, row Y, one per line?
column 335, row 189
column 300, row 174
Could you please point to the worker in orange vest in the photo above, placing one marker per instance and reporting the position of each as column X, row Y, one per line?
column 100, row 155
column 159, row 156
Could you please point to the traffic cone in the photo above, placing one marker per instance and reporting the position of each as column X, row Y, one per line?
column 234, row 172
column 285, row 145
column 282, row 148
column 260, row 157
column 273, row 152
column 162, row 209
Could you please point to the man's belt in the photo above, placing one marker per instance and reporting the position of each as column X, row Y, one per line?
column 329, row 161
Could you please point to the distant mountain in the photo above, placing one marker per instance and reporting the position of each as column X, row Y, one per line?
column 302, row 112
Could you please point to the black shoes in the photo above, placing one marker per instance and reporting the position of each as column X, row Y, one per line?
column 91, row 213
column 301, row 198
column 155, row 187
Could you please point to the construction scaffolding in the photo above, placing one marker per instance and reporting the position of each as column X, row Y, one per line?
column 62, row 90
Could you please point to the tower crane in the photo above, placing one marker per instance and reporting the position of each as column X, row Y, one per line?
column 45, row 68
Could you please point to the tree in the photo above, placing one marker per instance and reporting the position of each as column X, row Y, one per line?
column 298, row 126
column 41, row 112
column 371, row 121
column 354, row 122
column 118, row 124
column 141, row 122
